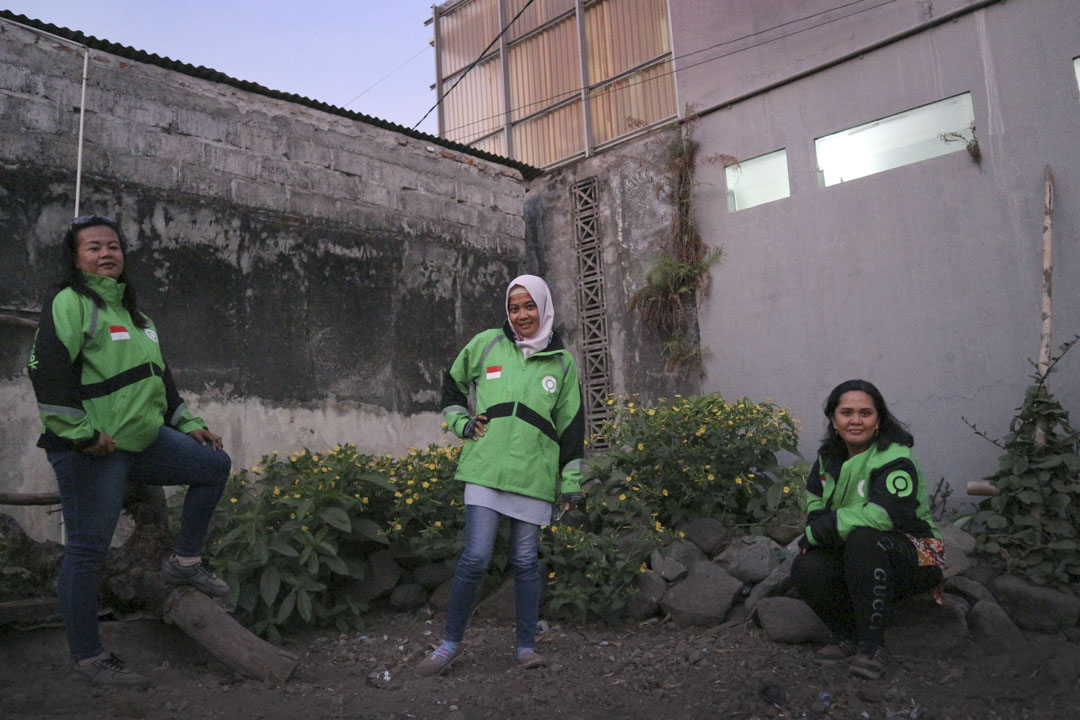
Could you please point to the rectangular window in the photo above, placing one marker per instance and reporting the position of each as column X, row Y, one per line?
column 918, row 134
column 757, row 181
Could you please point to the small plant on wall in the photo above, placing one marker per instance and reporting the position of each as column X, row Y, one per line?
column 680, row 271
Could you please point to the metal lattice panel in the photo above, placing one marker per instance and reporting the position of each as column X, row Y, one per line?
column 592, row 308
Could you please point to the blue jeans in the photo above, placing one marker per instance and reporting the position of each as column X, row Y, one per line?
column 481, row 524
column 91, row 497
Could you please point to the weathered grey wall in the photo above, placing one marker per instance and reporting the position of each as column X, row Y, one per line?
column 312, row 275
column 923, row 279
column 634, row 216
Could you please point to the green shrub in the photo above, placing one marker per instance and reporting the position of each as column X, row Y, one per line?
column 1031, row 528
column 699, row 456
column 293, row 537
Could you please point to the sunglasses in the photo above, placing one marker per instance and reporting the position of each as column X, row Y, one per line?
column 85, row 221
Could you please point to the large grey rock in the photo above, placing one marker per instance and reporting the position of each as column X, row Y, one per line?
column 381, row 575
column 408, row 596
column 685, row 552
column 777, row 583
column 1033, row 607
column 971, row 590
column 499, row 604
column 704, row 597
column 993, row 629
column 751, row 558
column 432, row 575
column 649, row 590
column 921, row 627
column 789, row 620
column 709, row 534
column 668, row 568
column 440, row 596
column 958, row 548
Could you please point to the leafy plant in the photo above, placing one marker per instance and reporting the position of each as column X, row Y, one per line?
column 292, row 539
column 1030, row 528
column 699, row 456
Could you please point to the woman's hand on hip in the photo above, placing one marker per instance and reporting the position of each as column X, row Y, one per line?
column 102, row 446
column 475, row 428
column 205, row 437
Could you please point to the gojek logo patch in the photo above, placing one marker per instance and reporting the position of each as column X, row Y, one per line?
column 151, row 334
column 119, row 332
column 899, row 483
column 549, row 383
column 494, row 372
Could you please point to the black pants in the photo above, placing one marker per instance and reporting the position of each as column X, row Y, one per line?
column 852, row 587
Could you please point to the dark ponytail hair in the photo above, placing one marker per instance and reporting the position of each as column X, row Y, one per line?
column 73, row 277
column 890, row 430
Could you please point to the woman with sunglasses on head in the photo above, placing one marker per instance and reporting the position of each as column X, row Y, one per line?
column 869, row 537
column 111, row 414
column 523, row 450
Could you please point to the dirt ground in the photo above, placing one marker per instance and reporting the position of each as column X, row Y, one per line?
column 631, row 671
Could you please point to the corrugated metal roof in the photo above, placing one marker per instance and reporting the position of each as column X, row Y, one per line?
column 205, row 73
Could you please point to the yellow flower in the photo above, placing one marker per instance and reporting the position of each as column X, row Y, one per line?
column 633, row 410
column 397, row 526
column 640, row 446
column 664, row 492
column 711, row 476
column 659, row 526
column 700, row 431
column 232, row 500
column 629, row 479
column 438, row 523
column 643, row 568
column 397, row 494
column 738, row 481
column 296, row 495
column 652, row 411
column 787, row 489
column 554, row 528
column 682, row 534
column 304, row 528
column 621, row 497
column 277, row 491
column 425, row 485
column 408, row 501
column 292, row 516
column 365, row 500
column 551, row 575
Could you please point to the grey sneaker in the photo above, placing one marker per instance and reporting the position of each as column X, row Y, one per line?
column 109, row 670
column 530, row 659
column 837, row 651
column 197, row 576
column 437, row 661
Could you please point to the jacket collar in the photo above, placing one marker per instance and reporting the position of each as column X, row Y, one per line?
column 555, row 344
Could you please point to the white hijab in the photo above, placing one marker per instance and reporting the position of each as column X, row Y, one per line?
column 538, row 289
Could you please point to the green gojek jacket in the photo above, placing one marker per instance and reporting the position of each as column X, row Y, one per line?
column 536, row 424
column 94, row 370
column 881, row 489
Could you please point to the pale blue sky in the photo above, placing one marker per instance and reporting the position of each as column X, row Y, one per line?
column 328, row 50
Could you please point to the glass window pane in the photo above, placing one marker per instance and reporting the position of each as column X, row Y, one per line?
column 757, row 181
column 908, row 137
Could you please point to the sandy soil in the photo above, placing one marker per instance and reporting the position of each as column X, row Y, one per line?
column 630, row 672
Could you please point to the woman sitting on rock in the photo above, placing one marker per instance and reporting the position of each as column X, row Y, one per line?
column 869, row 536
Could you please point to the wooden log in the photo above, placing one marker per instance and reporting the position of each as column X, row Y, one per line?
column 29, row 498
column 981, row 487
column 205, row 621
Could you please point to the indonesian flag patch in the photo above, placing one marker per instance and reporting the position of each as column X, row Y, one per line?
column 119, row 332
column 494, row 372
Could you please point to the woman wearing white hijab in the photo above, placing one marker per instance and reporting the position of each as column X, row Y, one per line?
column 522, row 452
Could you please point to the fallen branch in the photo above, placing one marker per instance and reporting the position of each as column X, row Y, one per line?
column 982, row 487
column 29, row 498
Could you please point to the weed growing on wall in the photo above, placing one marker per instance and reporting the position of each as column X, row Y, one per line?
column 699, row 457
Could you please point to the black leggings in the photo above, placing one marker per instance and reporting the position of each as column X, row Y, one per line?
column 852, row 587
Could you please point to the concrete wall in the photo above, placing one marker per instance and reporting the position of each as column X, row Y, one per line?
column 634, row 216
column 312, row 276
column 924, row 279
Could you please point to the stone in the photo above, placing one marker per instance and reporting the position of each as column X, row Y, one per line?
column 1033, row 607
column 499, row 604
column 958, row 548
column 709, row 534
column 789, row 620
column 440, row 596
column 921, row 627
column 751, row 558
column 684, row 551
column 433, row 575
column 408, row 596
column 381, row 575
column 970, row 589
column 993, row 629
column 668, row 568
column 777, row 583
column 704, row 597
column 649, row 591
